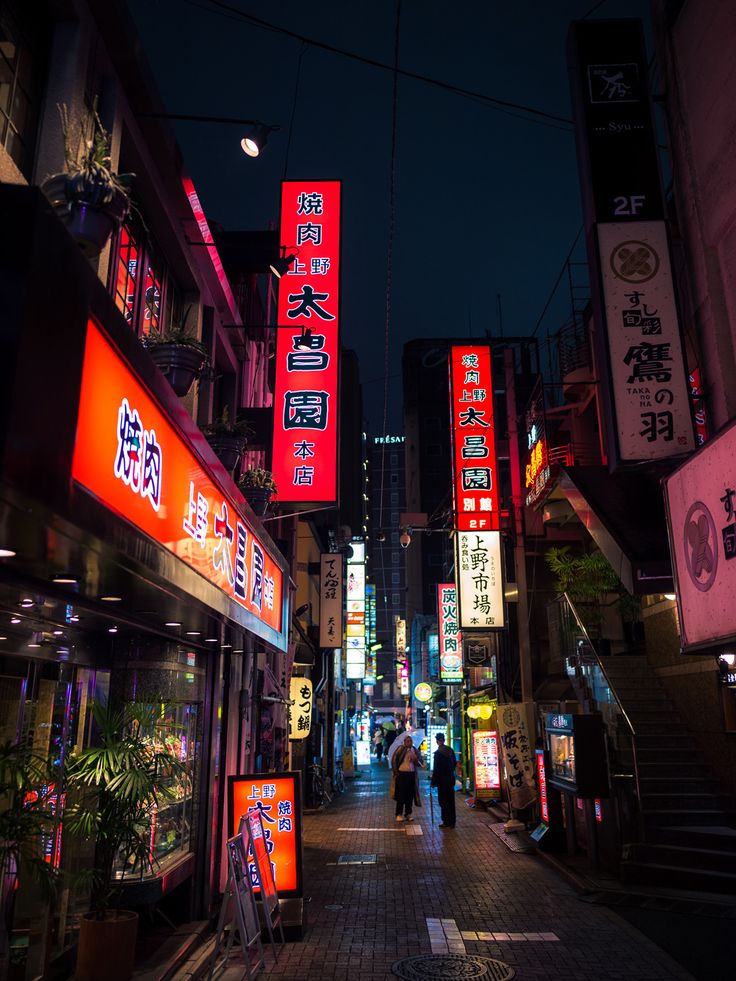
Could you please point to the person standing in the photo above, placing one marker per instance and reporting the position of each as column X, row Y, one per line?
column 405, row 773
column 443, row 778
column 378, row 743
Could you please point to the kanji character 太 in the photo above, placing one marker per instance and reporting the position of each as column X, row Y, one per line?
column 307, row 303
column 473, row 417
column 221, row 555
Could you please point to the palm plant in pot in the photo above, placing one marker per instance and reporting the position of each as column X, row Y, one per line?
column 178, row 354
column 118, row 783
column 258, row 487
column 228, row 438
column 90, row 198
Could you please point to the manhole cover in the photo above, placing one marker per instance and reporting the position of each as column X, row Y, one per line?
column 357, row 859
column 441, row 966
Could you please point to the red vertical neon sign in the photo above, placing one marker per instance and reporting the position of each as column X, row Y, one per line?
column 473, row 438
column 304, row 460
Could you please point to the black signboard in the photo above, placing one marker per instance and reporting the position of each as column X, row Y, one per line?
column 617, row 146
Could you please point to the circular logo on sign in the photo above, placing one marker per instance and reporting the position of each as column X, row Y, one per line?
column 701, row 546
column 511, row 717
column 634, row 262
column 423, row 692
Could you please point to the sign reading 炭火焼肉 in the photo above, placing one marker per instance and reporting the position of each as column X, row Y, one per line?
column 450, row 638
column 306, row 391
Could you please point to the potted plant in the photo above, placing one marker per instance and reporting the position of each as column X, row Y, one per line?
column 90, row 198
column 257, row 486
column 228, row 439
column 118, row 783
column 28, row 793
column 178, row 354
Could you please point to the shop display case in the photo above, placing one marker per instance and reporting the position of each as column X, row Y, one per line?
column 577, row 755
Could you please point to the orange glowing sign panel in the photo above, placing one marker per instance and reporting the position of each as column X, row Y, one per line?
column 131, row 457
column 278, row 798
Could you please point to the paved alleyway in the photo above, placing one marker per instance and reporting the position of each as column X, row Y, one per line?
column 434, row 891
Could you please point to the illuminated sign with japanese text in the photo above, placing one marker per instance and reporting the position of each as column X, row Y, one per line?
column 355, row 631
column 473, row 438
column 542, row 784
column 450, row 638
column 131, row 457
column 423, row 692
column 486, row 769
column 278, row 798
column 330, row 600
column 480, row 580
column 300, row 711
column 537, row 469
column 306, row 390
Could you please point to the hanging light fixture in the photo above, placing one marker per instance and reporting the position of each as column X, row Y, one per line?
column 254, row 141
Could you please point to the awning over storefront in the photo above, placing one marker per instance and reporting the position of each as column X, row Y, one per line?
column 624, row 514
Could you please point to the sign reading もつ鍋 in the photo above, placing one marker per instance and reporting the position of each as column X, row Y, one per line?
column 479, row 579
column 130, row 456
column 700, row 500
column 473, row 438
column 450, row 639
column 306, row 393
column 277, row 796
column 300, row 710
column 330, row 600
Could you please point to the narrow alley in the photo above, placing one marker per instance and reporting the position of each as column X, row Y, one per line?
column 422, row 890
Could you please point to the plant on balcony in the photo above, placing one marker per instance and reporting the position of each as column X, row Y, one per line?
column 258, row 487
column 117, row 783
column 178, row 354
column 228, row 438
column 90, row 198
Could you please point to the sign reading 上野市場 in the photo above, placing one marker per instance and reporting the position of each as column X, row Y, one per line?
column 700, row 504
column 648, row 381
column 450, row 638
column 355, row 630
column 479, row 580
column 131, row 457
column 305, row 399
column 486, row 766
column 473, row 438
column 330, row 600
column 300, row 710
column 278, row 798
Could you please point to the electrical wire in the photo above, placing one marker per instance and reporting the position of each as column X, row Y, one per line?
column 219, row 7
column 557, row 283
column 293, row 107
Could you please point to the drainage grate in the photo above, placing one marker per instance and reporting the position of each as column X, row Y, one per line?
column 357, row 859
column 438, row 967
column 334, row 907
column 516, row 842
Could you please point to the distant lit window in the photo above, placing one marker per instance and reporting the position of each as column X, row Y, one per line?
column 395, row 578
column 144, row 291
column 128, row 271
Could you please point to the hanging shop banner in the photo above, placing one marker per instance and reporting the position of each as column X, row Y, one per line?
column 277, row 796
column 515, row 724
column 330, row 600
column 480, row 580
column 306, row 391
column 473, row 438
column 355, row 630
column 648, row 381
column 300, row 711
column 486, row 766
column 542, row 784
column 131, row 457
column 450, row 638
column 700, row 502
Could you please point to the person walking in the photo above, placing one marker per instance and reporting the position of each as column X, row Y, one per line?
column 405, row 768
column 443, row 778
column 378, row 743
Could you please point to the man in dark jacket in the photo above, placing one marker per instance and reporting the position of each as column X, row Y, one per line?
column 443, row 778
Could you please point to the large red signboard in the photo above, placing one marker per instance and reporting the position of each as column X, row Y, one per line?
column 473, row 439
column 306, row 393
column 277, row 797
column 450, row 638
column 130, row 456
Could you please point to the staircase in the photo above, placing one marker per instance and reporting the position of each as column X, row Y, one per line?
column 688, row 827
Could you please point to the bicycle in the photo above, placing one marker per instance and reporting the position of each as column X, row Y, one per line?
column 320, row 794
column 338, row 781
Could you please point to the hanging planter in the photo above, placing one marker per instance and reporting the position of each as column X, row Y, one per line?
column 258, row 487
column 228, row 439
column 182, row 362
column 90, row 199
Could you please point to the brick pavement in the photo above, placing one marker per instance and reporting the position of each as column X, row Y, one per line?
column 436, row 891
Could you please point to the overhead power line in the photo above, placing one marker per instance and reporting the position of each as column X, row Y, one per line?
column 228, row 10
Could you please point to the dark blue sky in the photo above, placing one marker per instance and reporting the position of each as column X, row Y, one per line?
column 487, row 201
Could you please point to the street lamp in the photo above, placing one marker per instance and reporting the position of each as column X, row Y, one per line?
column 252, row 143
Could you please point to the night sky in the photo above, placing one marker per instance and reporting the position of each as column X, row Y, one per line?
column 487, row 200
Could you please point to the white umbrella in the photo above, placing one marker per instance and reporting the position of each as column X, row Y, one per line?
column 417, row 738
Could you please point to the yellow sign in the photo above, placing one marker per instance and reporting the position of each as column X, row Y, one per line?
column 300, row 711
column 423, row 692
